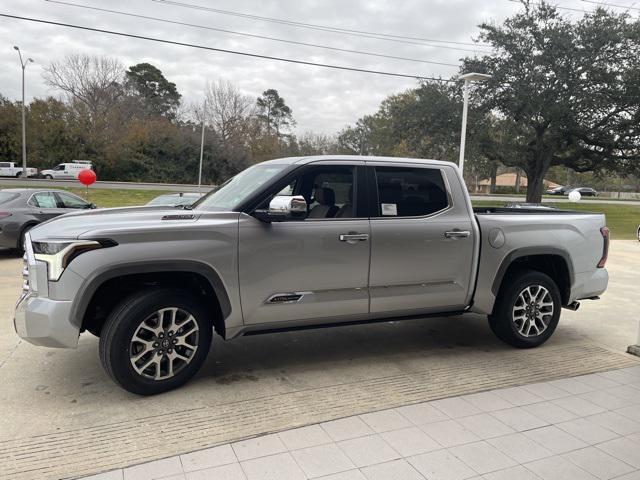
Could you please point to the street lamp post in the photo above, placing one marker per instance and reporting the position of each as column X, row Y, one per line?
column 23, row 64
column 468, row 78
column 204, row 114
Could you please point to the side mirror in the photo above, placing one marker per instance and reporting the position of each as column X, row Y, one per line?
column 92, row 206
column 283, row 208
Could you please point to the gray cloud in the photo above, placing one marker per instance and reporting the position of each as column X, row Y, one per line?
column 322, row 100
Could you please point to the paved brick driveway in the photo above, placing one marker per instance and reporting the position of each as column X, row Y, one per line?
column 579, row 428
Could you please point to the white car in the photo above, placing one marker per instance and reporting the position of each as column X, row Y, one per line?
column 69, row 170
column 11, row 169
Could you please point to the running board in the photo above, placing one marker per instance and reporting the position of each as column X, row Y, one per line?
column 349, row 323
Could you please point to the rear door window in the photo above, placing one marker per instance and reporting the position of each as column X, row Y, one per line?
column 410, row 191
column 44, row 200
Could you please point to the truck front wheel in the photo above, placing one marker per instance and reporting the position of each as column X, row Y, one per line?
column 527, row 309
column 155, row 341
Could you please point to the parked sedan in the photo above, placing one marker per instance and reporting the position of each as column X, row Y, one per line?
column 529, row 206
column 23, row 208
column 562, row 190
column 176, row 199
column 584, row 191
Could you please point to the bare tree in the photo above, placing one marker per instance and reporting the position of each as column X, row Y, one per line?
column 310, row 143
column 228, row 110
column 94, row 82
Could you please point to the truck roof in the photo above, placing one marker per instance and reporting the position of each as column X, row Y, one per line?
column 315, row 158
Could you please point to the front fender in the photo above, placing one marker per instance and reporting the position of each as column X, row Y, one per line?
column 100, row 276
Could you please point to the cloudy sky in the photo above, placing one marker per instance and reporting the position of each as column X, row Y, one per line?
column 322, row 100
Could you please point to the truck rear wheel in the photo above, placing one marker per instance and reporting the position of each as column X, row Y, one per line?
column 155, row 341
column 527, row 309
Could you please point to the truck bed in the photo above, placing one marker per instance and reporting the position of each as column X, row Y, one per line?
column 506, row 233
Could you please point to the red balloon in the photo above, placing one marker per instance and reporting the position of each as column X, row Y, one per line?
column 87, row 177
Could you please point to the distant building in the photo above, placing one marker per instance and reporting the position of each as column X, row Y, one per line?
column 509, row 180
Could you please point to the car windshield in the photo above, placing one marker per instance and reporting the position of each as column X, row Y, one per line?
column 237, row 189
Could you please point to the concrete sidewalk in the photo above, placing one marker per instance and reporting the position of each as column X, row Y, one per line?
column 581, row 428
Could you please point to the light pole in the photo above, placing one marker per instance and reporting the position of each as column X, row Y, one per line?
column 204, row 114
column 23, row 64
column 468, row 78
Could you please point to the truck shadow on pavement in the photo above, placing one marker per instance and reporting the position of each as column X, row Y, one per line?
column 315, row 358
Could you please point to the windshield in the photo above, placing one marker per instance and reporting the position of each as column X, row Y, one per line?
column 237, row 189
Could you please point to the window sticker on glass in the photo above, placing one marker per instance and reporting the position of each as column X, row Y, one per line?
column 389, row 209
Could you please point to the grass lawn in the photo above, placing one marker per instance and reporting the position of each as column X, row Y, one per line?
column 622, row 220
column 103, row 197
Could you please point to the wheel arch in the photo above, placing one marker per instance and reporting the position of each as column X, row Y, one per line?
column 111, row 281
column 554, row 262
column 25, row 226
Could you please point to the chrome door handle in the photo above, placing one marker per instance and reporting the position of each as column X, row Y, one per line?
column 457, row 234
column 353, row 237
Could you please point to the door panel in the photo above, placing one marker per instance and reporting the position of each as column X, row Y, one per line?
column 415, row 268
column 422, row 242
column 307, row 258
column 314, row 270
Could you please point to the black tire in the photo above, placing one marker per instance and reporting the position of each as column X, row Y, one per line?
column 116, row 336
column 502, row 321
column 18, row 175
column 48, row 177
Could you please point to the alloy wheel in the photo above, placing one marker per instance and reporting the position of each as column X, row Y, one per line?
column 164, row 343
column 533, row 310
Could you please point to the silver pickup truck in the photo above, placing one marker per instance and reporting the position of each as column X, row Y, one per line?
column 298, row 243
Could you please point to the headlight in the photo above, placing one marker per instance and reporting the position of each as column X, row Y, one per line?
column 57, row 254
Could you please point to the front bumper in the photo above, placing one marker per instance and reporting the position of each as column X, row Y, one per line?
column 45, row 322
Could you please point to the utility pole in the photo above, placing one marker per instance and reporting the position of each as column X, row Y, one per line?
column 204, row 114
column 23, row 64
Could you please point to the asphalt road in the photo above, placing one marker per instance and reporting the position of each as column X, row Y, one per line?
column 62, row 416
